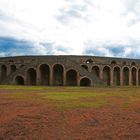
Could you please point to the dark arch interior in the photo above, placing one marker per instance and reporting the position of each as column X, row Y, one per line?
column 96, row 71
column 133, row 64
column 89, row 61
column 44, row 74
column 31, row 76
column 19, row 80
column 13, row 68
column 85, row 67
column 126, row 76
column 106, row 74
column 113, row 62
column 133, row 76
column 58, row 75
column 71, row 78
column 116, row 76
column 3, row 72
column 85, row 82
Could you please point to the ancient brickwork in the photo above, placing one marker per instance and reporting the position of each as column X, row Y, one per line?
column 69, row 71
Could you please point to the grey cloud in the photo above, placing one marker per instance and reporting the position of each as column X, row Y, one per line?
column 130, row 49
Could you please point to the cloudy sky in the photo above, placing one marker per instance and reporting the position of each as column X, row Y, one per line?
column 70, row 27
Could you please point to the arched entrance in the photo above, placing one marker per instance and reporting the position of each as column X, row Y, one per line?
column 71, row 78
column 44, row 71
column 106, row 74
column 95, row 70
column 116, row 76
column 58, row 75
column 19, row 80
column 133, row 76
column 3, row 72
column 85, row 82
column 13, row 68
column 31, row 76
column 126, row 76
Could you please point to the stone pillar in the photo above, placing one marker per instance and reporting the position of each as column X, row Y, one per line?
column 137, row 77
column 78, row 79
column 130, row 77
column 38, row 77
column 121, row 77
column 101, row 73
column 111, row 77
column 8, row 69
column 64, row 78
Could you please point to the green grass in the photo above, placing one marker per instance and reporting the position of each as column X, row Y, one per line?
column 73, row 97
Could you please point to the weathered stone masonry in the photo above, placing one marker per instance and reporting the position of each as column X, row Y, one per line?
column 69, row 71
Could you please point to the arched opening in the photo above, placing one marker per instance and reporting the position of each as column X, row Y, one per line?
column 116, row 76
column 106, row 74
column 22, row 66
column 113, row 63
column 85, row 67
column 31, row 76
column 13, row 68
column 96, row 70
column 58, row 75
column 85, row 82
column 133, row 76
column 3, row 72
column 126, row 76
column 89, row 61
column 133, row 64
column 44, row 74
column 71, row 78
column 19, row 80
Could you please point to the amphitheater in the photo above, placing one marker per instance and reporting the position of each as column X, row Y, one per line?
column 69, row 71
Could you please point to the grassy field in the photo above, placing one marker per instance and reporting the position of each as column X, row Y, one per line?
column 75, row 97
column 69, row 113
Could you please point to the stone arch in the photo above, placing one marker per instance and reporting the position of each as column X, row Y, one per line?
column 125, row 76
column 71, row 77
column 85, row 82
column 3, row 72
column 44, row 73
column 89, row 61
column 133, row 73
column 31, row 76
column 19, row 80
column 113, row 62
column 85, row 67
column 58, row 71
column 96, row 70
column 133, row 64
column 116, row 76
column 13, row 68
column 106, row 74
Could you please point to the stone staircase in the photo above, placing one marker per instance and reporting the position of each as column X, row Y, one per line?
column 84, row 72
column 10, row 77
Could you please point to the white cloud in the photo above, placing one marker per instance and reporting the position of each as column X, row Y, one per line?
column 69, row 24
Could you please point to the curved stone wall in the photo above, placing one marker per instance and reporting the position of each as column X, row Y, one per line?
column 69, row 71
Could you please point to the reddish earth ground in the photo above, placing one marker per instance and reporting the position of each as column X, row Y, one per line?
column 28, row 120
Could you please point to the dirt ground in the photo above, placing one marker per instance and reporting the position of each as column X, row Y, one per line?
column 27, row 120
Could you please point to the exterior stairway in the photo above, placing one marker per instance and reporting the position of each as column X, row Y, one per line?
column 84, row 72
column 11, row 76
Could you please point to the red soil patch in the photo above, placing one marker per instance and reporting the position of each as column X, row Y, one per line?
column 27, row 120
